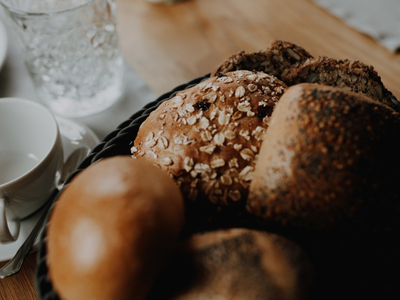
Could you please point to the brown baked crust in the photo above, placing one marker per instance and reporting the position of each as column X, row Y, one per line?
column 112, row 229
column 207, row 137
column 280, row 56
column 293, row 65
column 236, row 264
column 329, row 160
column 351, row 75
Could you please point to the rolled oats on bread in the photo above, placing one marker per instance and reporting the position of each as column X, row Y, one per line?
column 208, row 137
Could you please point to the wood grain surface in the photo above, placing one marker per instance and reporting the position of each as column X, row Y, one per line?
column 170, row 45
column 20, row 286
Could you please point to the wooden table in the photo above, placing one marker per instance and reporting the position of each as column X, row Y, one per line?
column 170, row 45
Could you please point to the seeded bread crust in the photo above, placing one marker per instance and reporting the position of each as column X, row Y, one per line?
column 329, row 160
column 236, row 264
column 208, row 137
column 293, row 65
column 351, row 75
column 279, row 57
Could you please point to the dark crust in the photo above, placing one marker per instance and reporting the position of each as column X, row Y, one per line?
column 235, row 264
column 352, row 75
column 280, row 56
column 343, row 141
column 293, row 64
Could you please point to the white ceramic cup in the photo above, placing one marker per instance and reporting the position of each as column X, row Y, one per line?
column 31, row 159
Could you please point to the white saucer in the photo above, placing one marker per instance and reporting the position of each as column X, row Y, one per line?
column 3, row 44
column 74, row 135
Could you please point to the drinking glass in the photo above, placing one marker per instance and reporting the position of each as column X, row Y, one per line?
column 71, row 50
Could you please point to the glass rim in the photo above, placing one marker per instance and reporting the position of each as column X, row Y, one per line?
column 19, row 11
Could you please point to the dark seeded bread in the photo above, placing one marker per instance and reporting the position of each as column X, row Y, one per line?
column 292, row 64
column 351, row 75
column 279, row 57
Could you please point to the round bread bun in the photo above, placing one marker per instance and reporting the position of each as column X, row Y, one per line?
column 111, row 230
column 329, row 160
column 236, row 264
column 208, row 137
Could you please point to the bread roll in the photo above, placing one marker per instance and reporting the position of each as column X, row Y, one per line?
column 275, row 60
column 293, row 65
column 208, row 136
column 352, row 75
column 236, row 264
column 111, row 230
column 329, row 160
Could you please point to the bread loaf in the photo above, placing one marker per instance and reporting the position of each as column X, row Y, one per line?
column 236, row 264
column 111, row 230
column 351, row 75
column 208, row 136
column 329, row 159
column 275, row 60
column 293, row 65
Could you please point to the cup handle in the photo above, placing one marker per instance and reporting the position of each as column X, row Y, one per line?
column 9, row 223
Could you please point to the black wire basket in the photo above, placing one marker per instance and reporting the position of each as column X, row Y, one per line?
column 117, row 142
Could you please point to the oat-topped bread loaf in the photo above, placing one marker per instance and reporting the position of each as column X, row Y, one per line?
column 348, row 74
column 275, row 60
column 208, row 137
column 330, row 159
column 236, row 264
